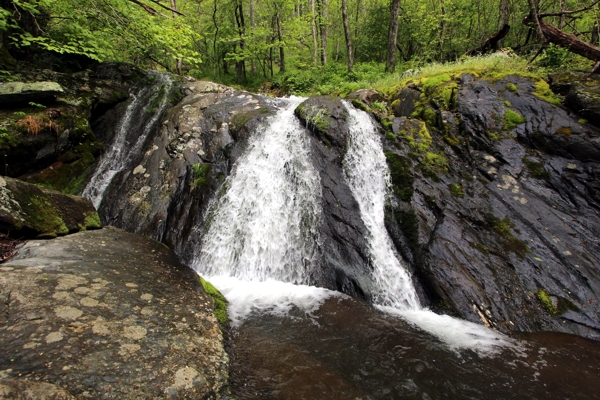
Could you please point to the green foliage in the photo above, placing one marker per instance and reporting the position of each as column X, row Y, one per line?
column 512, row 119
column 200, row 175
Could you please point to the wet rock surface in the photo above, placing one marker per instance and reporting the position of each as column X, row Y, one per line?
column 164, row 193
column 107, row 314
column 344, row 256
column 27, row 210
column 505, row 232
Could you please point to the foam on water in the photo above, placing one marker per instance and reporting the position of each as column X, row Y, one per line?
column 268, row 297
column 456, row 333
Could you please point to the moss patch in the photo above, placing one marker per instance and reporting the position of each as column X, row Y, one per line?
column 409, row 225
column 503, row 228
column 219, row 303
column 456, row 190
column 543, row 92
column 512, row 119
column 555, row 305
column 401, row 176
column 536, row 169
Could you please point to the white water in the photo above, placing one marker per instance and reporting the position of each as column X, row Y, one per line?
column 369, row 180
column 265, row 224
column 117, row 158
column 368, row 177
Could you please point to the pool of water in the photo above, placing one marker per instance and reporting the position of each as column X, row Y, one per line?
column 349, row 350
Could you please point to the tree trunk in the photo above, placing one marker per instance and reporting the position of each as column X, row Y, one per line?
column 348, row 36
column 239, row 18
column 491, row 43
column 390, row 65
column 504, row 13
column 322, row 7
column 252, row 26
column 279, row 38
column 178, row 62
column 314, row 32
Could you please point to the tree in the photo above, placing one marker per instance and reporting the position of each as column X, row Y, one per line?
column 390, row 65
column 348, row 36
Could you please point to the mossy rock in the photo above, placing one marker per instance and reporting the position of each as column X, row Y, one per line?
column 401, row 176
column 219, row 303
column 27, row 210
column 326, row 117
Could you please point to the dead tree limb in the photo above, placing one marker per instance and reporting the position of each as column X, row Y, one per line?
column 567, row 40
column 491, row 43
column 564, row 12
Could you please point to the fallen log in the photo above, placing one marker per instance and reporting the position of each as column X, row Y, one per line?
column 566, row 40
column 491, row 43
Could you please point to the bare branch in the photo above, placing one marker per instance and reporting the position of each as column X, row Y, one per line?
column 167, row 7
column 561, row 13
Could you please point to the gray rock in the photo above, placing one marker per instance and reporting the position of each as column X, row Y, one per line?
column 109, row 314
column 19, row 92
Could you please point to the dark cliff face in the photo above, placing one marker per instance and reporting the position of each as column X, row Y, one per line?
column 498, row 211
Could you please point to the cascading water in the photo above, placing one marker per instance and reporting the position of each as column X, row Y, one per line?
column 264, row 227
column 126, row 146
column 368, row 178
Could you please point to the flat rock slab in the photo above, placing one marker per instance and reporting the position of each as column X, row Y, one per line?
column 108, row 314
column 18, row 92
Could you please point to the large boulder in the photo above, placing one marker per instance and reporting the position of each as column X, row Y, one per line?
column 31, row 211
column 326, row 117
column 108, row 314
column 496, row 204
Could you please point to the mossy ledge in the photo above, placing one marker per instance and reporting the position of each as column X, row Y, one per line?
column 219, row 303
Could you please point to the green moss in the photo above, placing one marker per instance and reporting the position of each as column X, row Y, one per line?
column 390, row 136
column 582, row 121
column 92, row 221
column 512, row 87
column 429, row 116
column 503, row 228
column 544, row 297
column 387, row 124
column 480, row 247
column 431, row 83
column 409, row 225
column 543, row 92
column 43, row 217
column 495, row 136
column 456, row 190
column 536, row 169
column 507, row 104
column 200, row 175
column 512, row 119
column 452, row 140
column 219, row 303
column 360, row 105
column 401, row 176
column 565, row 130
column 436, row 160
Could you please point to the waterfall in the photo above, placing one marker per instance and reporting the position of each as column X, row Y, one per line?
column 132, row 132
column 264, row 225
column 368, row 177
column 369, row 180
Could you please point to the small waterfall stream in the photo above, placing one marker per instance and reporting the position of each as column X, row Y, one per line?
column 125, row 146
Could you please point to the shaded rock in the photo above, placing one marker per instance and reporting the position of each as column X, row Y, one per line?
column 326, row 117
column 404, row 103
column 581, row 91
column 29, row 210
column 107, row 313
column 26, row 390
column 21, row 92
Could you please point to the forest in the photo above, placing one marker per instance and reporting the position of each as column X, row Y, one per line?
column 294, row 46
